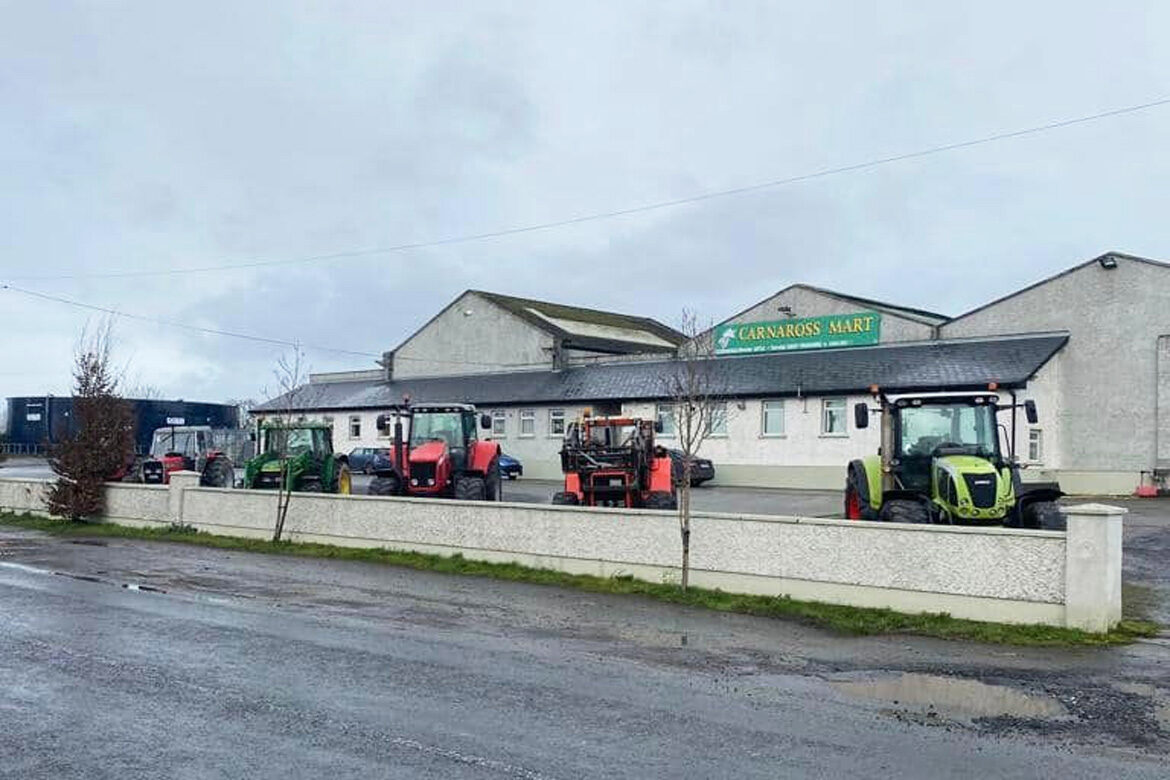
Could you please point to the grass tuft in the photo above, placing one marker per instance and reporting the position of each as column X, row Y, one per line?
column 853, row 621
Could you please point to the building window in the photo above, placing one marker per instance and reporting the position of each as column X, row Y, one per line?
column 833, row 417
column 1035, row 445
column 527, row 422
column 499, row 423
column 772, row 418
column 717, row 420
column 665, row 416
column 556, row 422
column 355, row 427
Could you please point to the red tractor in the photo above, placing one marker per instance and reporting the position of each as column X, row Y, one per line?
column 613, row 461
column 441, row 455
column 191, row 448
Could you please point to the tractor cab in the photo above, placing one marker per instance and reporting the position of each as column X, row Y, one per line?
column 298, row 455
column 437, row 452
column 613, row 461
column 941, row 460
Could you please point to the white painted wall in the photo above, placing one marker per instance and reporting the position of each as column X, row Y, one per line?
column 996, row 574
column 473, row 336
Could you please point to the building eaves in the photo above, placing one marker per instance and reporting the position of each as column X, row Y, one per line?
column 521, row 307
column 958, row 364
column 1054, row 277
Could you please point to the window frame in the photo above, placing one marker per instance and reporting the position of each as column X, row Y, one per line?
column 354, row 419
column 555, row 416
column 783, row 433
column 669, row 429
column 1039, row 442
column 712, row 432
column 529, row 416
column 844, row 432
column 502, row 417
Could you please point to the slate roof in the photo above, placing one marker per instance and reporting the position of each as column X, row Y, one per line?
column 900, row 367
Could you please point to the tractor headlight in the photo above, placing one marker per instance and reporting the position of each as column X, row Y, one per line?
column 430, row 482
column 414, row 483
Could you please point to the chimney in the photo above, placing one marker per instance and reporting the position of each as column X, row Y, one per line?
column 387, row 364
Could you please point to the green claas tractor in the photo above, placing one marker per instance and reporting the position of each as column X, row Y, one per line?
column 940, row 461
column 299, row 456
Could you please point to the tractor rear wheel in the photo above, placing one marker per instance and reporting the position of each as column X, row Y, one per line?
column 217, row 473
column 660, row 499
column 470, row 489
column 565, row 499
column 384, row 486
column 901, row 510
column 1044, row 515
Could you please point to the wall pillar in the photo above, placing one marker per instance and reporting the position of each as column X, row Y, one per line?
column 180, row 481
column 1092, row 572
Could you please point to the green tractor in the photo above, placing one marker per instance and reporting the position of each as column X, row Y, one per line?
column 940, row 461
column 298, row 456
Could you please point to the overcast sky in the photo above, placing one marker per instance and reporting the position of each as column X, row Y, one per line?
column 157, row 135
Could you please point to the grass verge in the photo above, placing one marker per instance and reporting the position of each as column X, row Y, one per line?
column 856, row 621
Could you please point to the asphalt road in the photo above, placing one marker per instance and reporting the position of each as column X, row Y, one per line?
column 247, row 665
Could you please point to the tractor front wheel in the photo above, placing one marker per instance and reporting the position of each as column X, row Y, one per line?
column 343, row 483
column 1044, row 515
column 901, row 510
column 218, row 473
column 384, row 486
column 660, row 499
column 470, row 489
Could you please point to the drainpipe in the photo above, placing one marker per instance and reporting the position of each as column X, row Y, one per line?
column 1161, row 344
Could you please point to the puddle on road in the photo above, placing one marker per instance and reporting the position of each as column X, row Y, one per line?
column 952, row 695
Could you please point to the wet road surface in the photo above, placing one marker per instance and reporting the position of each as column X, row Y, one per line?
column 228, row 664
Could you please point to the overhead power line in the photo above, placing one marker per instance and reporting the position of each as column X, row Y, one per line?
column 182, row 325
column 246, row 336
column 604, row 215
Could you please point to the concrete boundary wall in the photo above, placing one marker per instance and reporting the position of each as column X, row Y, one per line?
column 995, row 574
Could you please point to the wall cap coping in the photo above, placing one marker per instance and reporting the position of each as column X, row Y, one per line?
column 1098, row 510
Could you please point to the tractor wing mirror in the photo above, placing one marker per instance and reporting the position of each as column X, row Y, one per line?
column 382, row 423
column 658, row 426
column 1030, row 412
column 861, row 416
column 251, row 436
column 485, row 421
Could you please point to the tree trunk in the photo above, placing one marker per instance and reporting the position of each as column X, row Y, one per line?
column 684, row 506
column 283, row 496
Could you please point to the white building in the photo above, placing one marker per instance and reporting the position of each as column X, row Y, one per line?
column 1091, row 346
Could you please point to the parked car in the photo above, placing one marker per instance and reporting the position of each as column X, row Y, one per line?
column 362, row 458
column 702, row 470
column 510, row 467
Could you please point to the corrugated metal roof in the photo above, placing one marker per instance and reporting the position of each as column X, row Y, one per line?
column 905, row 367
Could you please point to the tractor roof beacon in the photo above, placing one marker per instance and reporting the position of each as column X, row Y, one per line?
column 440, row 455
column 941, row 461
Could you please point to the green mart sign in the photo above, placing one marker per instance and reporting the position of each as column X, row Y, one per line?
column 835, row 330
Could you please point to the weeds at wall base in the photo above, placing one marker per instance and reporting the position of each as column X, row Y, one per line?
column 854, row 621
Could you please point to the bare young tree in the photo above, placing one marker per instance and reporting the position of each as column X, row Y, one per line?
column 100, row 443
column 292, row 391
column 698, row 406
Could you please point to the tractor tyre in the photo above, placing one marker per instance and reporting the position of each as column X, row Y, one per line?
column 384, row 486
column 901, row 510
column 218, row 473
column 1044, row 515
column 660, row 499
column 342, row 481
column 470, row 489
column 565, row 499
column 493, row 482
column 309, row 485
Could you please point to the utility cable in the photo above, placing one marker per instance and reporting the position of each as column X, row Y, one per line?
column 604, row 215
column 247, row 336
